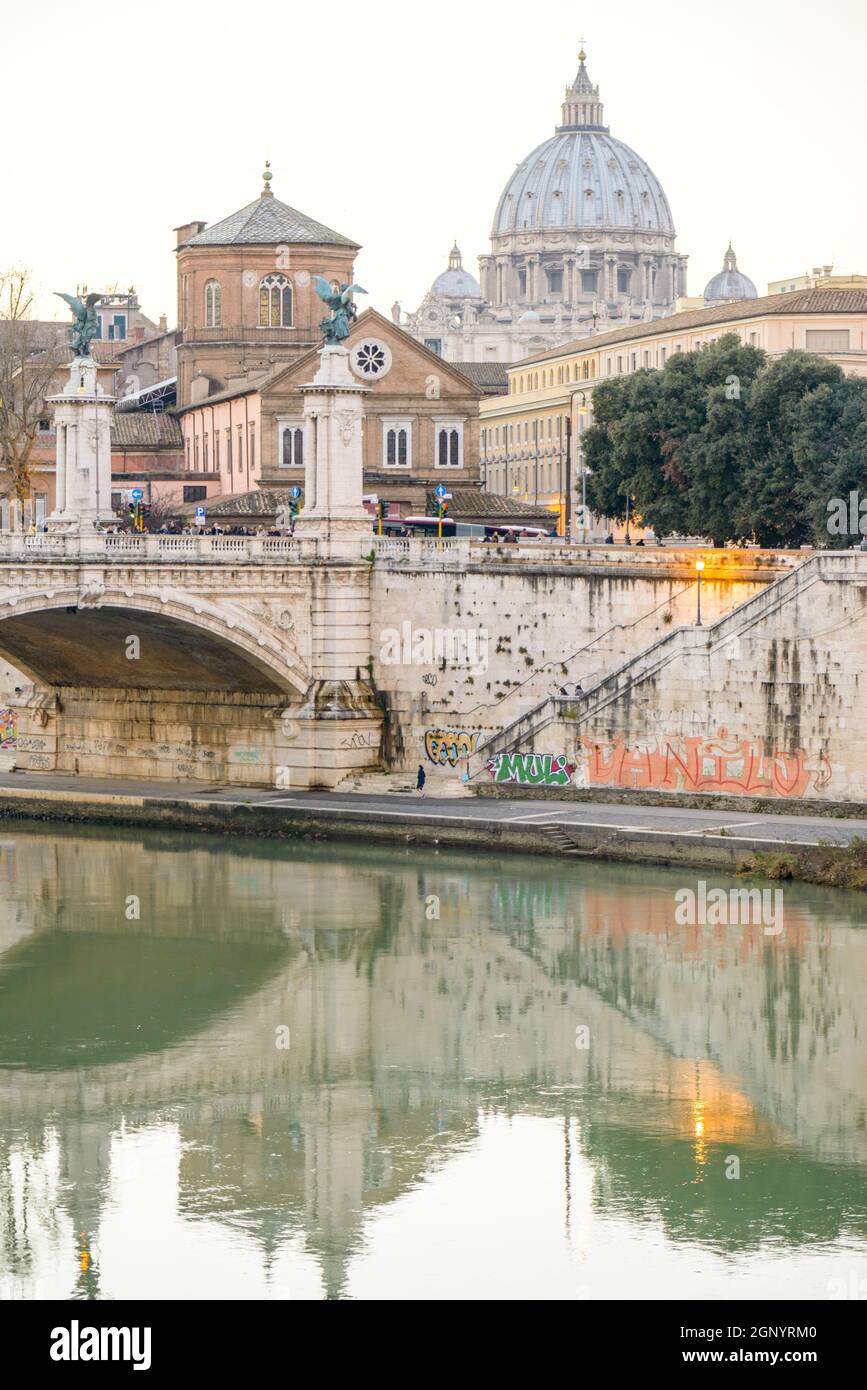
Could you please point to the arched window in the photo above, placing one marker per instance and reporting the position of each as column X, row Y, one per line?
column 275, row 302
column 213, row 304
column 449, row 452
column 396, row 439
column 292, row 447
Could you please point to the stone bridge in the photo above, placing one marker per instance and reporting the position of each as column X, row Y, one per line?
column 265, row 660
column 218, row 658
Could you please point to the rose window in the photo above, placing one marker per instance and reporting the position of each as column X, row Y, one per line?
column 371, row 359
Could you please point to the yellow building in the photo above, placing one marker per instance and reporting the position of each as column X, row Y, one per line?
column 531, row 438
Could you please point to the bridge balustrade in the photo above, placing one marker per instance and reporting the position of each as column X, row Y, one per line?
column 16, row 546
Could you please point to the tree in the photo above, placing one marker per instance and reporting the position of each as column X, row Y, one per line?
column 713, row 422
column 30, row 355
column 621, row 451
column 673, row 440
column 771, row 506
column 829, row 450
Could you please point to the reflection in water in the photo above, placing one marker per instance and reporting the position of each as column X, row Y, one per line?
column 233, row 1069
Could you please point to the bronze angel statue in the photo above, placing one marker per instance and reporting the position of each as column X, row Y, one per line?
column 86, row 325
column 339, row 300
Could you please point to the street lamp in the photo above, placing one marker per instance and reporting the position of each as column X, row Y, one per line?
column 699, row 567
column 582, row 409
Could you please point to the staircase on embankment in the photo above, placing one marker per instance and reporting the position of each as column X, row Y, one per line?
column 801, row 633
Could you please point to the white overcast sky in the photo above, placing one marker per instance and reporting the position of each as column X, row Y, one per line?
column 399, row 123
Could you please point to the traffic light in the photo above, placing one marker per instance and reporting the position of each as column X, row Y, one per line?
column 293, row 507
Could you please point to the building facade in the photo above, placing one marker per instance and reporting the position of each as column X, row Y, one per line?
column 421, row 421
column 525, row 434
column 582, row 238
column 246, row 297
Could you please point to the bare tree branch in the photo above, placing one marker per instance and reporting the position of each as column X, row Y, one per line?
column 31, row 354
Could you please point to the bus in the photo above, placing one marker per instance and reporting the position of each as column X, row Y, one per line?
column 429, row 526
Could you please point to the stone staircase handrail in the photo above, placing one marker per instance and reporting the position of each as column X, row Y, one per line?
column 661, row 652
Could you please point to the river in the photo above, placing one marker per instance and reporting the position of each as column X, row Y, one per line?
column 242, row 1069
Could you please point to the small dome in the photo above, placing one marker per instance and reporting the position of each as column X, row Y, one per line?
column 529, row 316
column 730, row 283
column 456, row 283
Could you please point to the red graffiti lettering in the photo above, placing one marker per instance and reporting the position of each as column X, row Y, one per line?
column 721, row 764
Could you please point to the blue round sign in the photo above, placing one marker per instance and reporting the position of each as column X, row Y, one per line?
column 137, row 494
column 295, row 492
column 440, row 492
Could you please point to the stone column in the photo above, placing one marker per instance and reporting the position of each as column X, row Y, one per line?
column 60, row 471
column 340, row 721
column 333, row 512
column 82, row 414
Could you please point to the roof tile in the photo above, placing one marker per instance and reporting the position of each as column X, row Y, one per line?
column 815, row 301
column 265, row 222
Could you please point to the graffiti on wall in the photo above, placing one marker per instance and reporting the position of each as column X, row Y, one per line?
column 8, row 728
column 722, row 763
column 448, row 745
column 531, row 769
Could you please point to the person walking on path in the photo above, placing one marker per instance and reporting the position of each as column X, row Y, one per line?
column 420, row 780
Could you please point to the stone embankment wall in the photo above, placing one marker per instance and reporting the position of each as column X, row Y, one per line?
column 464, row 646
column 766, row 703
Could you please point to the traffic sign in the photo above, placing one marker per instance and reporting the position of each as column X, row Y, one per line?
column 136, row 494
column 295, row 493
column 440, row 492
column 200, row 514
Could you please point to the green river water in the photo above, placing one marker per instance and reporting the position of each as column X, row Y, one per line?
column 240, row 1069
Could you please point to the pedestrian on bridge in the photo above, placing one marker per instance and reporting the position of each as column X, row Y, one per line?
column 420, row 780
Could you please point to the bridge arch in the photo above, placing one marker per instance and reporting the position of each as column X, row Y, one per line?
column 75, row 634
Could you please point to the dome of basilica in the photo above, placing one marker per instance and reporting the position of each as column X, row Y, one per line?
column 583, row 239
column 583, row 178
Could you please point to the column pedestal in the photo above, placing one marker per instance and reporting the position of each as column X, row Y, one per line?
column 82, row 415
column 345, row 720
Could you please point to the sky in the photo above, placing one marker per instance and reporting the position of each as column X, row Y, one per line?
column 399, row 125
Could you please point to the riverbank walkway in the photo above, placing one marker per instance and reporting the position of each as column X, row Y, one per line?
column 595, row 829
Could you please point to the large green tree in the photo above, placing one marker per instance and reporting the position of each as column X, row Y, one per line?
column 674, row 440
column 782, row 403
column 725, row 444
column 830, row 455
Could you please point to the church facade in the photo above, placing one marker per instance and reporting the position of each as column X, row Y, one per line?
column 582, row 241
column 421, row 422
